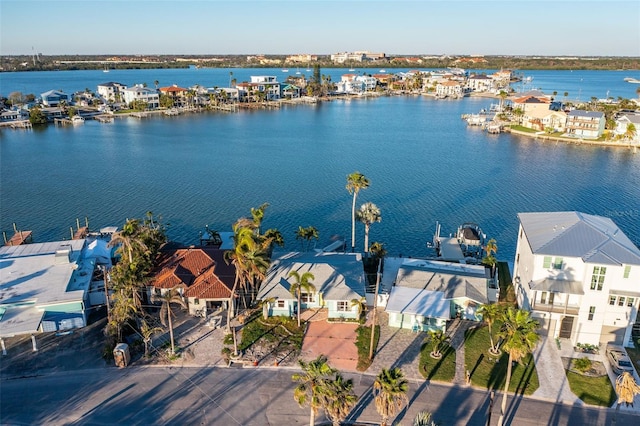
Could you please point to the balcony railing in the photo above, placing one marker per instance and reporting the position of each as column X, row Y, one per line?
column 557, row 308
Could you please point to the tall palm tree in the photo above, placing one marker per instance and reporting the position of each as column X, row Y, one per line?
column 166, row 313
column 337, row 398
column 369, row 213
column 490, row 313
column 243, row 241
column 257, row 215
column 128, row 239
column 520, row 338
column 423, row 418
column 355, row 182
column 361, row 304
column 390, row 393
column 311, row 383
column 302, row 282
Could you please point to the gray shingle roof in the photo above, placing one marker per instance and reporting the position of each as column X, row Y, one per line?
column 581, row 113
column 595, row 239
column 338, row 276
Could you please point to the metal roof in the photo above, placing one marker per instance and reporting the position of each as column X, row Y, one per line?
column 338, row 276
column 405, row 300
column 557, row 286
column 595, row 239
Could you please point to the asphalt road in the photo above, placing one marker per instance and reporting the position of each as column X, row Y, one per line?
column 223, row 396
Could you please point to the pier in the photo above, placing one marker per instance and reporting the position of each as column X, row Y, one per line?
column 19, row 237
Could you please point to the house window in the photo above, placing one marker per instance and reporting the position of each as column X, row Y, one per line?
column 543, row 297
column 307, row 298
column 592, row 310
column 280, row 304
column 627, row 271
column 343, row 306
column 196, row 301
column 621, row 301
column 546, row 264
column 612, row 300
column 597, row 279
column 557, row 263
column 630, row 301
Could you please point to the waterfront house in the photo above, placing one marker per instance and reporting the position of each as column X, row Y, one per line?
column 14, row 115
column 531, row 103
column 49, row 286
column 542, row 119
column 449, row 89
column 111, row 91
column 427, row 293
column 480, row 83
column 290, row 91
column 585, row 124
column 143, row 94
column 338, row 279
column 578, row 274
column 180, row 96
column 267, row 84
column 384, row 79
column 623, row 122
column 199, row 274
column 53, row 98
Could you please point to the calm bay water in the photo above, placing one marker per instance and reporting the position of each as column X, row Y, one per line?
column 424, row 163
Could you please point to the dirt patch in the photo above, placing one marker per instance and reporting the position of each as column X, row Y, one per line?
column 335, row 341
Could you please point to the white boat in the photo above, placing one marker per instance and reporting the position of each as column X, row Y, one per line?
column 466, row 244
column 383, row 70
column 285, row 70
column 632, row 80
column 106, row 69
column 77, row 119
column 352, row 69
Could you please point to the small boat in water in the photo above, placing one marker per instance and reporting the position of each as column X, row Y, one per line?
column 77, row 119
column 632, row 80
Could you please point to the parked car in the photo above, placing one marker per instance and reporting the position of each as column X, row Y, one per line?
column 617, row 357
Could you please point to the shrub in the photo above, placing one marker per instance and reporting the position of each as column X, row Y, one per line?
column 228, row 339
column 582, row 364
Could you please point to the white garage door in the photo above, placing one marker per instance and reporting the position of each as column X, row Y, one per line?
column 612, row 334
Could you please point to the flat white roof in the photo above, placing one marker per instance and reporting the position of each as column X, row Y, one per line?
column 406, row 300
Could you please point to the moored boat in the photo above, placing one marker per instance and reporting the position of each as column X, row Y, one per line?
column 632, row 80
column 465, row 246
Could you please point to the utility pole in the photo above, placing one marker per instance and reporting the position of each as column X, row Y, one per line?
column 375, row 308
column 106, row 291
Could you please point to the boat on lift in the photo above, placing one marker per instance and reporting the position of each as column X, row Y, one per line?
column 466, row 245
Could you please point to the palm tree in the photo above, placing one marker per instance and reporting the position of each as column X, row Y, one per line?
column 390, row 393
column 302, row 282
column 128, row 239
column 361, row 304
column 369, row 213
column 503, row 95
column 337, row 398
column 630, row 131
column 169, row 297
column 147, row 331
column 423, row 418
column 123, row 308
column 627, row 389
column 311, row 384
column 490, row 313
column 438, row 339
column 308, row 234
column 355, row 182
column 520, row 338
column 257, row 215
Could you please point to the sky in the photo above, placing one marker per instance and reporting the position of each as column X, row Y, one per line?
column 427, row 27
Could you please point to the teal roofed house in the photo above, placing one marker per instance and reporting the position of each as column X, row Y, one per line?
column 338, row 279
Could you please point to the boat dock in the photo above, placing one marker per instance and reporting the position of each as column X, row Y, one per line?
column 19, row 237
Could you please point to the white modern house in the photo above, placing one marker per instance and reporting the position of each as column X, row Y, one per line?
column 53, row 98
column 111, row 90
column 579, row 275
column 338, row 279
column 143, row 94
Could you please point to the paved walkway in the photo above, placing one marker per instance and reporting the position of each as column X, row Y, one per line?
column 334, row 340
column 456, row 334
column 551, row 374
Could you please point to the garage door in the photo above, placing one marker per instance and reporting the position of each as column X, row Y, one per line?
column 612, row 334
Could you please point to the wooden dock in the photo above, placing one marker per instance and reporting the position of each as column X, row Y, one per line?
column 19, row 238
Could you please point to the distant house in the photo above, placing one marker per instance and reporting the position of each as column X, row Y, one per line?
column 53, row 98
column 338, row 279
column 179, row 95
column 14, row 115
column 578, row 274
column 585, row 124
column 111, row 91
column 427, row 293
column 199, row 274
column 142, row 94
column 480, row 83
column 449, row 89
column 542, row 119
column 623, row 122
column 291, row 91
column 531, row 103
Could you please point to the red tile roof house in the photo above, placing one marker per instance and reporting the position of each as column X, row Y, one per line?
column 200, row 274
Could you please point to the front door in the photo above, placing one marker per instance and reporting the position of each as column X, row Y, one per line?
column 565, row 327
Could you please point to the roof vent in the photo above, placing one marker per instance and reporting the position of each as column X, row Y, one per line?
column 62, row 256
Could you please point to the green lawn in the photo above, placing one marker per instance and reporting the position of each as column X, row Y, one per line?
column 507, row 293
column 592, row 390
column 363, row 343
column 490, row 372
column 443, row 369
column 281, row 334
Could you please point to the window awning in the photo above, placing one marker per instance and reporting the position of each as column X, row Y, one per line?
column 624, row 293
column 557, row 286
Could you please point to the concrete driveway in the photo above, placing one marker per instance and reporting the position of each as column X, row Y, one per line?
column 334, row 340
